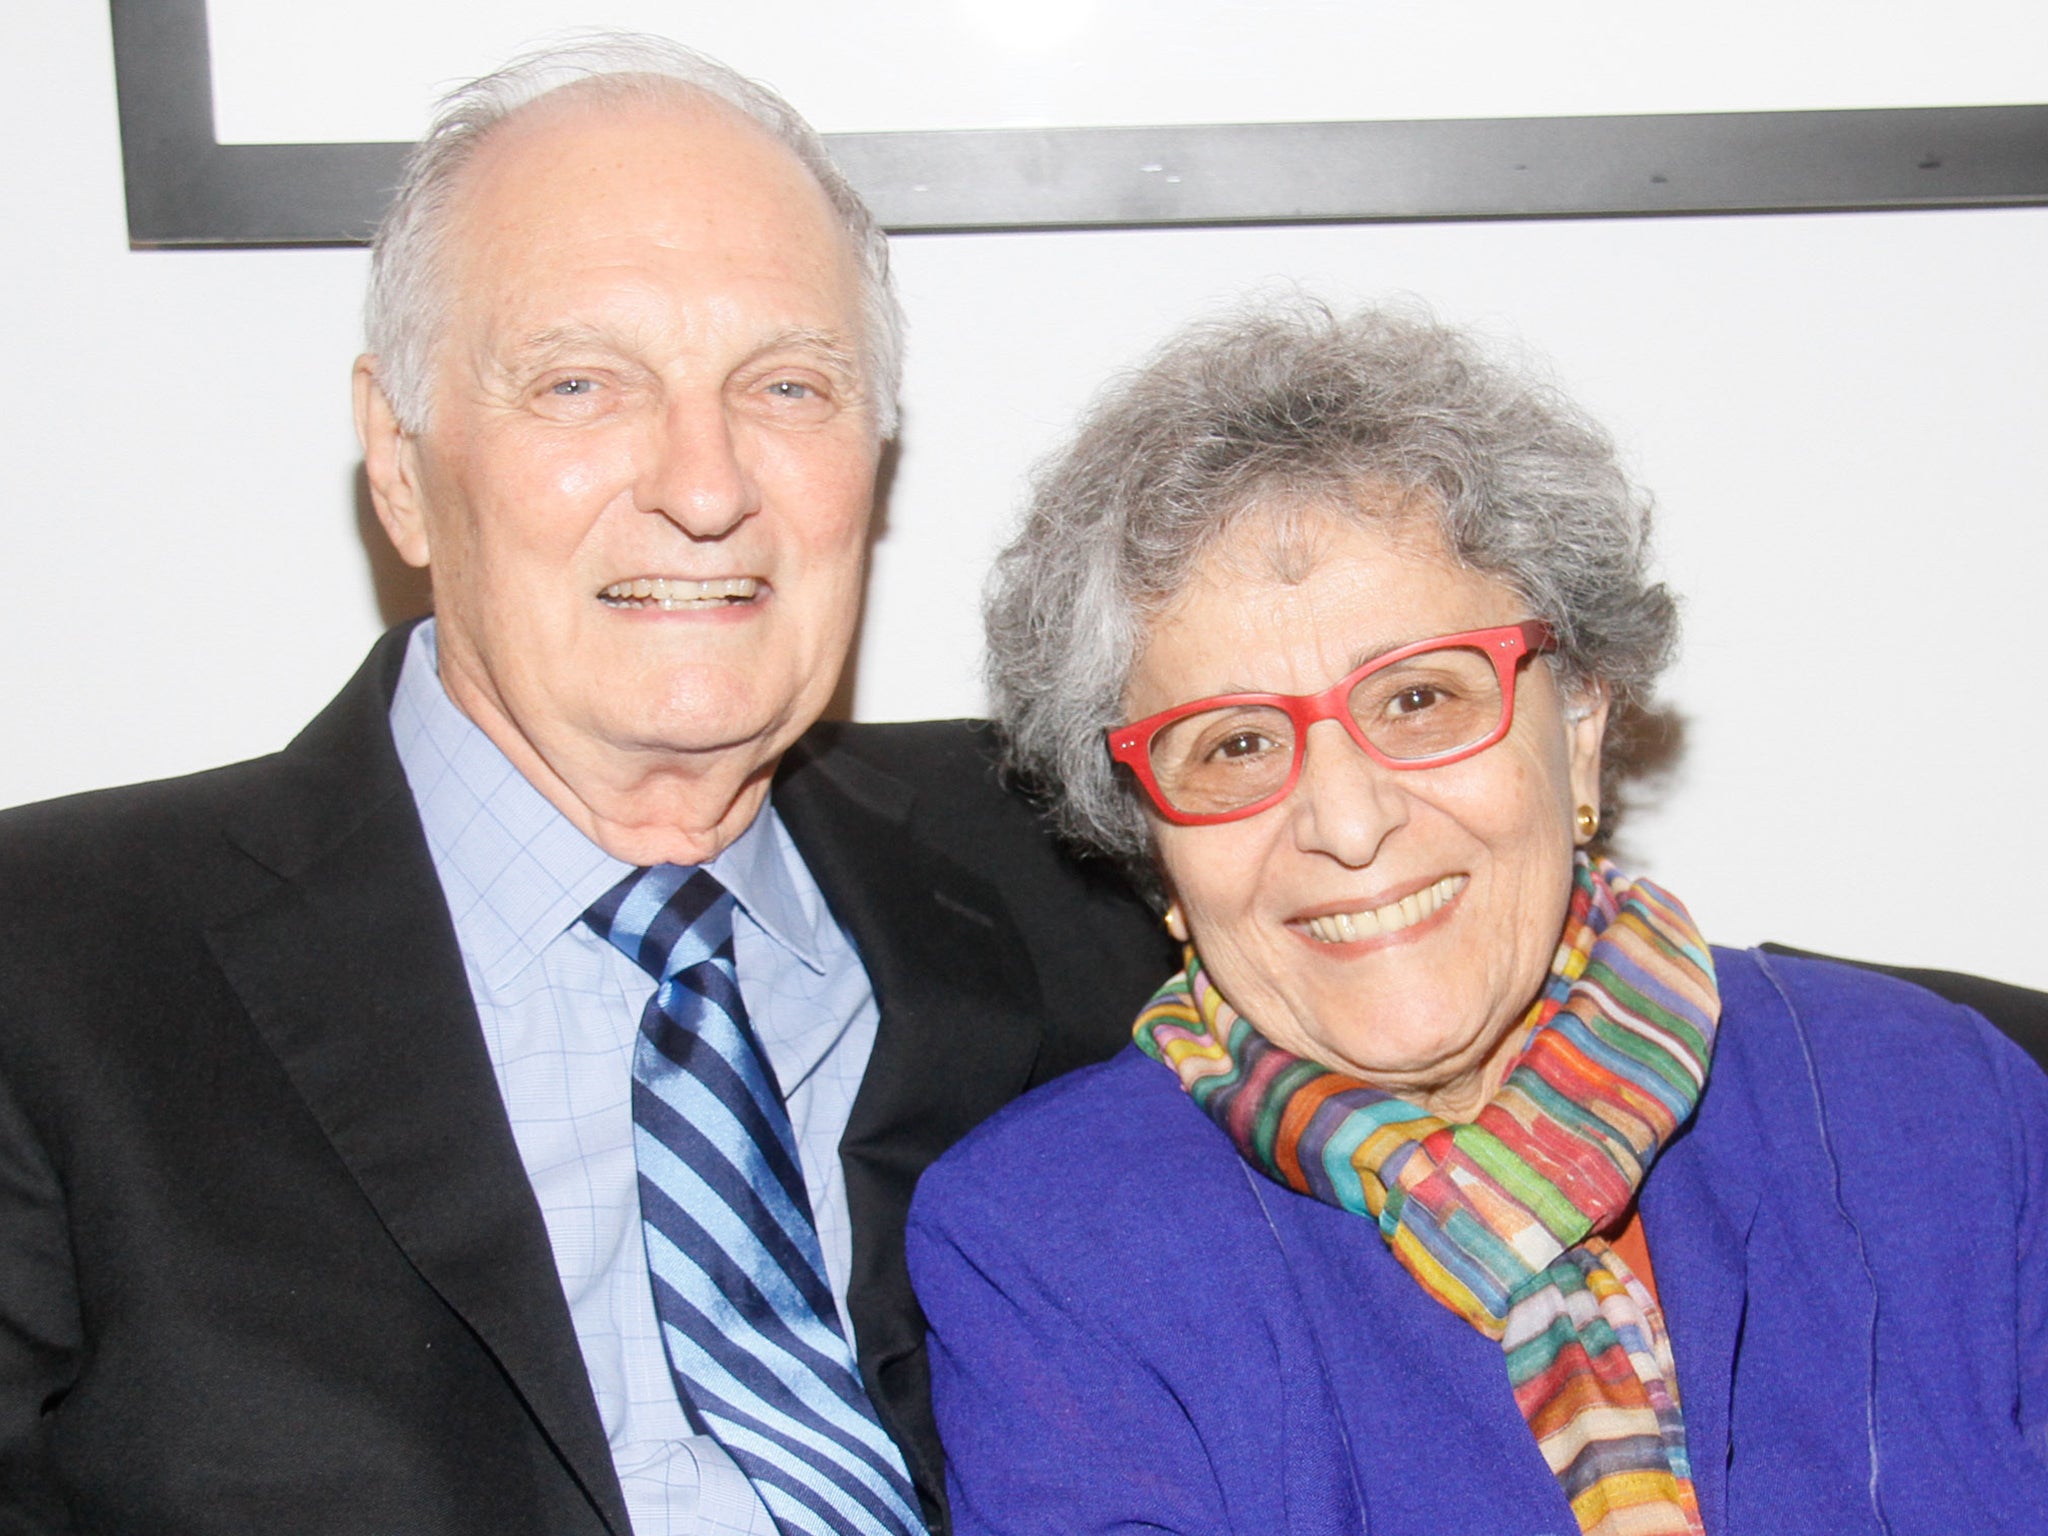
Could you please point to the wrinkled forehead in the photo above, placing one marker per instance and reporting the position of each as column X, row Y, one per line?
column 1282, row 536
column 662, row 173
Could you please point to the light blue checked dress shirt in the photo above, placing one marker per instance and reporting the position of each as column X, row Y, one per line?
column 560, row 1009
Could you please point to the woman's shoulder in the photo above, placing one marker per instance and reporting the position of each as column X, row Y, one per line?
column 1096, row 1118
column 1107, row 1149
column 1869, row 1015
column 1863, row 1129
column 1807, row 1041
column 2020, row 1013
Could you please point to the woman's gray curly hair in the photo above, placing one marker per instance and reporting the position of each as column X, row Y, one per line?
column 1292, row 408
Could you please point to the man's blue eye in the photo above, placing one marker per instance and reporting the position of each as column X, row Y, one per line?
column 790, row 389
column 572, row 387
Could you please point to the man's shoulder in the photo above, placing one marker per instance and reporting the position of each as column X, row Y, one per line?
column 102, row 891
column 943, row 778
column 906, row 742
column 140, row 836
column 132, row 824
column 946, row 758
column 1096, row 950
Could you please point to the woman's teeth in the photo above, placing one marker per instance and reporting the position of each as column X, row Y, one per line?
column 665, row 592
column 1343, row 927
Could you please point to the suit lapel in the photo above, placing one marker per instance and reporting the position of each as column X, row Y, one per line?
column 960, row 1031
column 350, row 970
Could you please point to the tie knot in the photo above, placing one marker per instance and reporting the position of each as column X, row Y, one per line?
column 666, row 918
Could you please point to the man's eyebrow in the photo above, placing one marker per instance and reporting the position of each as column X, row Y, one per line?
column 565, row 337
column 519, row 358
column 828, row 346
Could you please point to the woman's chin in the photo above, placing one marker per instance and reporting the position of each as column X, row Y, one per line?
column 1415, row 1032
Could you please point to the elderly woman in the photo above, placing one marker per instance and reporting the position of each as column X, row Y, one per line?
column 1455, row 1187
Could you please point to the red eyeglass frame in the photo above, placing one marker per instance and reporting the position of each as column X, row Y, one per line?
column 1507, row 645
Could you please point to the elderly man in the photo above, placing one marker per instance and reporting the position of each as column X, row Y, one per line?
column 497, row 1111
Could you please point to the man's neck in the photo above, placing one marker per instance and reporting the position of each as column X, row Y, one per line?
column 643, row 807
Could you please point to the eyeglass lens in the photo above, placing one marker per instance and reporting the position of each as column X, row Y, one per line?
column 1425, row 707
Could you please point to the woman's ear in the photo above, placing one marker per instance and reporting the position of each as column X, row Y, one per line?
column 1585, row 718
column 390, row 467
column 1176, row 924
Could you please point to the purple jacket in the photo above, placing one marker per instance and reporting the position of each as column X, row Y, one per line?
column 1133, row 1332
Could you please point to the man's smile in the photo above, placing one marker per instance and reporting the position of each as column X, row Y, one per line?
column 671, row 593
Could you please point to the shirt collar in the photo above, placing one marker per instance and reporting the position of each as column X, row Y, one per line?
column 518, row 873
column 765, row 874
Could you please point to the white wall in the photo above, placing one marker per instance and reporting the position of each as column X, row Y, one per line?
column 1843, row 417
column 1006, row 63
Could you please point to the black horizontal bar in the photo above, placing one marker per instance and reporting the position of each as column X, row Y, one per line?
column 184, row 189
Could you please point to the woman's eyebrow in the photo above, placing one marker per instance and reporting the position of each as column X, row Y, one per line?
column 1375, row 650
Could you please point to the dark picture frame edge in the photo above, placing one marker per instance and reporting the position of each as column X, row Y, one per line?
column 185, row 189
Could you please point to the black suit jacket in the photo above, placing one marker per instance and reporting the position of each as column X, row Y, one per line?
column 268, row 1258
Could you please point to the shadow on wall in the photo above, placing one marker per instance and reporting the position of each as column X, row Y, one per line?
column 402, row 592
column 1646, row 759
column 840, row 705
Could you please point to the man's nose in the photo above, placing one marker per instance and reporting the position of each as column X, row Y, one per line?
column 697, row 471
column 1345, row 804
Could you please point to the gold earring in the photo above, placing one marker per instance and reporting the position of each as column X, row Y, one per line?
column 1176, row 925
column 1589, row 822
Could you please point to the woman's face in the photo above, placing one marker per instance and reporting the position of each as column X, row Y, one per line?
column 1427, row 1011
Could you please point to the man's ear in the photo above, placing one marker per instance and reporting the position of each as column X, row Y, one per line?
column 392, row 470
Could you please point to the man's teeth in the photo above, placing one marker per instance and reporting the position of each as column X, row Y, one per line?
column 1343, row 927
column 668, row 592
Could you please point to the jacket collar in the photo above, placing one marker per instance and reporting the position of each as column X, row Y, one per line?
column 961, row 1030
column 348, row 965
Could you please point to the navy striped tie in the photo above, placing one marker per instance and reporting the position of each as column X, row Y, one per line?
column 753, row 1335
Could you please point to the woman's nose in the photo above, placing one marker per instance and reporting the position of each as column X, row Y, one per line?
column 1344, row 805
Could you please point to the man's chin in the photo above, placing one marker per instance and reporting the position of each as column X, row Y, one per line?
column 699, row 722
column 726, row 746
column 658, row 792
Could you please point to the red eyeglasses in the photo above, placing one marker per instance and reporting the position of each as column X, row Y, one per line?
column 1422, row 706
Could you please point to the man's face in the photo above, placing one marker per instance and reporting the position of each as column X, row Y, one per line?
column 646, row 478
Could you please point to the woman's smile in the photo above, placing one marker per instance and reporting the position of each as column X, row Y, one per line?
column 1402, row 915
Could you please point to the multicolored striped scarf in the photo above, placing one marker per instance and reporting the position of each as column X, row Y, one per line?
column 1503, row 1220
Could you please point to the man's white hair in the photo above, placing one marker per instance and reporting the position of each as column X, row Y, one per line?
column 408, row 305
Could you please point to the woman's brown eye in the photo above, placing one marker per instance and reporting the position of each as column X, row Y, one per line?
column 1411, row 701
